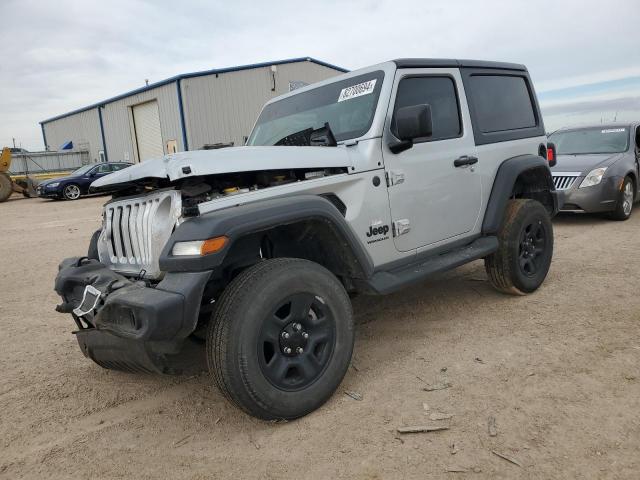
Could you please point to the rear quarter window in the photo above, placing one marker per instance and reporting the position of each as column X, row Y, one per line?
column 502, row 105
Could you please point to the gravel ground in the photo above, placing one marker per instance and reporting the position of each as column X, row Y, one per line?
column 558, row 371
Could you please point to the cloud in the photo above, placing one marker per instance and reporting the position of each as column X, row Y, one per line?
column 623, row 104
column 58, row 56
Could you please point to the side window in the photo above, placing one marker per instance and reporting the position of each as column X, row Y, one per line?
column 440, row 93
column 104, row 168
column 501, row 103
column 117, row 166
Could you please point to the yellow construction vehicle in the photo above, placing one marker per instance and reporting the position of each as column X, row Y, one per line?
column 24, row 185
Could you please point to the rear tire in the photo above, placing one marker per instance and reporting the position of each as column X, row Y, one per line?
column 523, row 258
column 281, row 338
column 6, row 189
column 624, row 203
column 71, row 192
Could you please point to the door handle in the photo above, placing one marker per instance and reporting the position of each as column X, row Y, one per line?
column 465, row 160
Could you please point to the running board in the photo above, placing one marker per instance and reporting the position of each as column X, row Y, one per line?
column 393, row 280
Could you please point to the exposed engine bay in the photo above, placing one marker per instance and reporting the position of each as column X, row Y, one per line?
column 196, row 190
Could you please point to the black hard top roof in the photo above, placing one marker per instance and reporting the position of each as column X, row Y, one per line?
column 452, row 63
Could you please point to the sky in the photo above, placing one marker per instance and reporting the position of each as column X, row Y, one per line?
column 583, row 56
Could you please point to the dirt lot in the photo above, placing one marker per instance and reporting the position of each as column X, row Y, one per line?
column 558, row 370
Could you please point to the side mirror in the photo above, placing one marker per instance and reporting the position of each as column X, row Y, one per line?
column 411, row 122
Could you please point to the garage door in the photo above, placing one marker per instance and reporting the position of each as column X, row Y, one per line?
column 146, row 120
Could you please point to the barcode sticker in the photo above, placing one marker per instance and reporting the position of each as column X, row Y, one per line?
column 364, row 88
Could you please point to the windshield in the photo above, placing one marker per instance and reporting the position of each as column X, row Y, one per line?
column 591, row 140
column 82, row 170
column 347, row 106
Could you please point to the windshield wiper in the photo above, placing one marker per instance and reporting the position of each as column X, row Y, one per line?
column 321, row 137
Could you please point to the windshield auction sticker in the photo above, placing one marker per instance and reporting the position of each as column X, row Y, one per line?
column 613, row 130
column 364, row 88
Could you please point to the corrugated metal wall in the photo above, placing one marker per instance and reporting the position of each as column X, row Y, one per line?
column 118, row 122
column 224, row 109
column 83, row 129
column 37, row 162
column 217, row 108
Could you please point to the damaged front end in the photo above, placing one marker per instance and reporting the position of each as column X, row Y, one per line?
column 129, row 324
column 133, row 312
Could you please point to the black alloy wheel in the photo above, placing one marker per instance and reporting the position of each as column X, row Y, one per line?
column 525, row 248
column 532, row 248
column 296, row 341
column 281, row 337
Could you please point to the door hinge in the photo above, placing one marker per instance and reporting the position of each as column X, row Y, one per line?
column 400, row 227
column 394, row 177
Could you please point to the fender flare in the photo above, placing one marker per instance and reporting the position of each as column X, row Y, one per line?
column 503, row 184
column 239, row 221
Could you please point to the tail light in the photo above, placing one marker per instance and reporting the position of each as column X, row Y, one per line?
column 551, row 154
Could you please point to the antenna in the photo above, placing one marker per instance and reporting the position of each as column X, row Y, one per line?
column 146, row 82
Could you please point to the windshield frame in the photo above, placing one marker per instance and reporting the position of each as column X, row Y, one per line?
column 626, row 129
column 337, row 84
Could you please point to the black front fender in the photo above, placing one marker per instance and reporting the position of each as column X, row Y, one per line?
column 237, row 222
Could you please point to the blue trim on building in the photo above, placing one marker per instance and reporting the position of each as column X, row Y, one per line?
column 44, row 136
column 183, row 126
column 104, row 144
column 191, row 75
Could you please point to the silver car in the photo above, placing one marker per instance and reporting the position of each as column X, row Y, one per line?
column 597, row 168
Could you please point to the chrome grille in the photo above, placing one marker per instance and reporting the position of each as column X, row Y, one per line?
column 135, row 231
column 564, row 181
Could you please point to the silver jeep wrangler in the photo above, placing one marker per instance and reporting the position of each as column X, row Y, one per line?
column 361, row 184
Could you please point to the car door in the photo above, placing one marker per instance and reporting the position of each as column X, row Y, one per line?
column 95, row 173
column 434, row 191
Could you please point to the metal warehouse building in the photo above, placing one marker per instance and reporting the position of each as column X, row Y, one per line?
column 185, row 112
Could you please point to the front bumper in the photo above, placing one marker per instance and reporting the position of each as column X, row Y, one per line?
column 133, row 327
column 45, row 192
column 594, row 199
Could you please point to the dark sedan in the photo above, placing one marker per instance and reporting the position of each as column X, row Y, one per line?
column 77, row 183
column 597, row 168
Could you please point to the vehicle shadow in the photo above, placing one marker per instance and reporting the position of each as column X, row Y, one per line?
column 580, row 219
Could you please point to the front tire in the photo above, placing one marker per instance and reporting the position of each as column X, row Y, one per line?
column 624, row 204
column 71, row 192
column 523, row 258
column 281, row 338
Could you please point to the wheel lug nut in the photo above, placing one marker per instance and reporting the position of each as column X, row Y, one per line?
column 285, row 335
column 287, row 350
column 305, row 335
column 299, row 350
